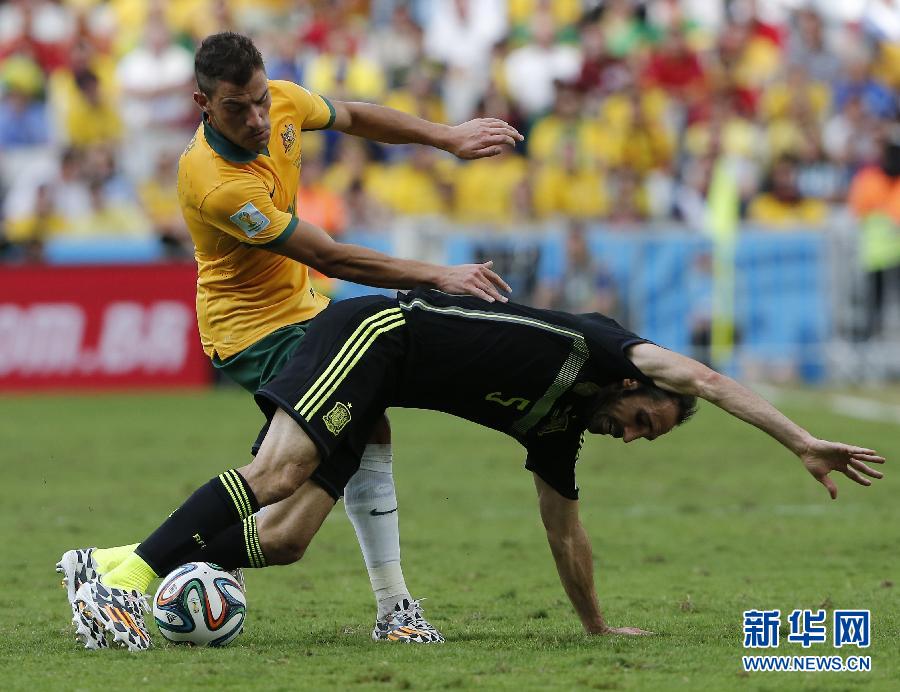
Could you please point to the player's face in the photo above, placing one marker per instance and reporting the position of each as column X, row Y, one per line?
column 629, row 417
column 241, row 112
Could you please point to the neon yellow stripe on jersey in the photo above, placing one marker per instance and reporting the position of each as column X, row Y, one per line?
column 336, row 361
column 491, row 316
column 323, row 391
column 364, row 346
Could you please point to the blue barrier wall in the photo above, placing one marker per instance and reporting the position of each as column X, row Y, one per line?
column 664, row 284
column 662, row 280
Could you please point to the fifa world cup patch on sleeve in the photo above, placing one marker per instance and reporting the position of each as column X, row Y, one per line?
column 250, row 220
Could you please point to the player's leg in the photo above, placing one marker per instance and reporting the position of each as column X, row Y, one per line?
column 370, row 501
column 285, row 460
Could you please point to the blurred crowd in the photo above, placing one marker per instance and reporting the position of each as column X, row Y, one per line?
column 627, row 107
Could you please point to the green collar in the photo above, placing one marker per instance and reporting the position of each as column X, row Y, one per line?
column 226, row 148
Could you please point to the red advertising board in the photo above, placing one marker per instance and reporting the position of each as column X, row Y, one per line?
column 99, row 327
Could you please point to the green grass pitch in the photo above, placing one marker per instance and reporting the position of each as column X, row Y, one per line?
column 688, row 532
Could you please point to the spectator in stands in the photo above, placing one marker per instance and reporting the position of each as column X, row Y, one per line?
column 567, row 122
column 344, row 70
column 418, row 95
column 156, row 79
column 781, row 205
column 459, row 35
column 675, row 67
column 807, row 46
column 858, row 82
column 30, row 233
column 109, row 218
column 572, row 186
column 415, row 186
column 38, row 29
column 566, row 15
column 492, row 191
column 875, row 199
column 85, row 97
column 284, row 55
column 629, row 204
column 23, row 113
column 62, row 185
column 159, row 202
column 850, row 136
column 316, row 203
column 355, row 169
column 534, row 69
column 601, row 72
column 399, row 46
column 584, row 284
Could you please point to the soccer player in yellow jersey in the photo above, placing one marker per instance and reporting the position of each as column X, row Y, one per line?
column 237, row 186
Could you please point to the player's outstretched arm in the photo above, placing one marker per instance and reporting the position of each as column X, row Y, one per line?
column 571, row 550
column 474, row 139
column 313, row 247
column 678, row 373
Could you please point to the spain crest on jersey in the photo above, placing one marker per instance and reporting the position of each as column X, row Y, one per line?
column 337, row 418
column 288, row 137
column 250, row 220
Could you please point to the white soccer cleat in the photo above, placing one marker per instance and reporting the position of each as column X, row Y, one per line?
column 238, row 575
column 406, row 623
column 78, row 566
column 119, row 612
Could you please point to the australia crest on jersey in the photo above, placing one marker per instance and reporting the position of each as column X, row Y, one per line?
column 288, row 137
column 250, row 220
column 337, row 418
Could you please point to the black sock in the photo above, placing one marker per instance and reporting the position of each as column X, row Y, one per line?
column 223, row 501
column 236, row 546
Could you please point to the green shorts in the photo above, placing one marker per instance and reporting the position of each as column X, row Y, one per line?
column 256, row 365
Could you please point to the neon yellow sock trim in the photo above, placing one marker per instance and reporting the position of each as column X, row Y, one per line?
column 133, row 573
column 107, row 559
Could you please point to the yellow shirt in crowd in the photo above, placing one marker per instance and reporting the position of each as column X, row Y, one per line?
column 235, row 203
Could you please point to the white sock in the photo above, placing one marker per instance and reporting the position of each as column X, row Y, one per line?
column 371, row 489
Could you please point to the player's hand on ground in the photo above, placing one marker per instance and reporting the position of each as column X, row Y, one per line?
column 822, row 457
column 476, row 139
column 477, row 280
column 628, row 631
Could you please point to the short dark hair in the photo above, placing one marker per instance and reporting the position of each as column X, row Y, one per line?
column 685, row 403
column 226, row 57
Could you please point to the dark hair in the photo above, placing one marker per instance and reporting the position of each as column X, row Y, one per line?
column 685, row 403
column 227, row 57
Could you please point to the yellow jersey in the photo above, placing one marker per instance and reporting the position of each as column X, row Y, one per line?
column 237, row 202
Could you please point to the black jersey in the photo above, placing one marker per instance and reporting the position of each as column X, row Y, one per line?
column 526, row 372
column 515, row 369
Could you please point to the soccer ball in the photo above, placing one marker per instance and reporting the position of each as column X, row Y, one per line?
column 200, row 604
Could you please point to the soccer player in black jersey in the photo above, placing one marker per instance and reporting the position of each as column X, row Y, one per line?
column 540, row 376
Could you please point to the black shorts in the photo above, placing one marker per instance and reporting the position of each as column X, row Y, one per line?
column 339, row 382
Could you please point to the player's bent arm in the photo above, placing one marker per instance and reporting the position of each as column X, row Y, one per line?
column 470, row 140
column 678, row 373
column 313, row 247
column 572, row 553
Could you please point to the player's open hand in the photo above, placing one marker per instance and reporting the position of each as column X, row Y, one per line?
column 476, row 139
column 628, row 631
column 477, row 280
column 822, row 457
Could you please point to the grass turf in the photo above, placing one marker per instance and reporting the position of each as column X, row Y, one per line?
column 688, row 532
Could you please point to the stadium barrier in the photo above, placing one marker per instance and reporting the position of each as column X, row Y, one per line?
column 99, row 327
column 133, row 325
